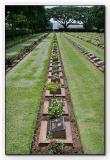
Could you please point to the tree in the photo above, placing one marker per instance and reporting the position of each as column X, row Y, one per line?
column 36, row 18
column 93, row 17
column 90, row 16
column 14, row 17
column 98, row 17
column 29, row 17
column 65, row 15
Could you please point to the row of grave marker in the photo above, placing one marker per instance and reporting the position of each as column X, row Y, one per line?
column 90, row 56
column 23, row 53
column 83, row 38
column 58, row 126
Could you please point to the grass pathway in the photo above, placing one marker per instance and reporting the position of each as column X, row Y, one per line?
column 24, row 86
column 86, row 85
column 16, row 49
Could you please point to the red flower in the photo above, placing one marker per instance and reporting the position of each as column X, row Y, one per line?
column 52, row 142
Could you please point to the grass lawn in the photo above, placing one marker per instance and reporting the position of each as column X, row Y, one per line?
column 86, row 84
column 24, row 86
column 10, row 41
column 90, row 47
column 13, row 51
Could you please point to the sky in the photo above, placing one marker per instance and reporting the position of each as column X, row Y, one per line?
column 75, row 5
column 49, row 6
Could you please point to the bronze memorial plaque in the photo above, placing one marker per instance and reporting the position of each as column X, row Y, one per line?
column 57, row 127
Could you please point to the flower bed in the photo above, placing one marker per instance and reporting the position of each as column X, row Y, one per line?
column 55, row 147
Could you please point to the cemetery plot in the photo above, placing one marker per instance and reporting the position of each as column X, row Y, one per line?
column 55, row 67
column 56, row 79
column 46, row 107
column 64, row 136
column 86, row 85
column 59, row 93
column 17, row 40
column 11, row 61
column 56, row 127
column 99, row 52
column 90, row 56
column 96, row 39
column 24, row 86
column 56, row 123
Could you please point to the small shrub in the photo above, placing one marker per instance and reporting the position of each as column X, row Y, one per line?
column 53, row 87
column 55, row 108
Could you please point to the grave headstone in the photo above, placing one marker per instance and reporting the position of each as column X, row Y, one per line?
column 56, row 127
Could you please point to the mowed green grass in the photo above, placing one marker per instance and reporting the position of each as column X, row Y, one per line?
column 13, row 51
column 24, row 87
column 10, row 41
column 86, row 85
column 99, row 52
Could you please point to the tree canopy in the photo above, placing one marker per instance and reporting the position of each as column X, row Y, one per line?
column 92, row 16
column 28, row 17
column 36, row 18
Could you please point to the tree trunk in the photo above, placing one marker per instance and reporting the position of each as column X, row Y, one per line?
column 65, row 27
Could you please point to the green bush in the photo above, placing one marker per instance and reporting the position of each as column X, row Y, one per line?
column 53, row 87
column 55, row 108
